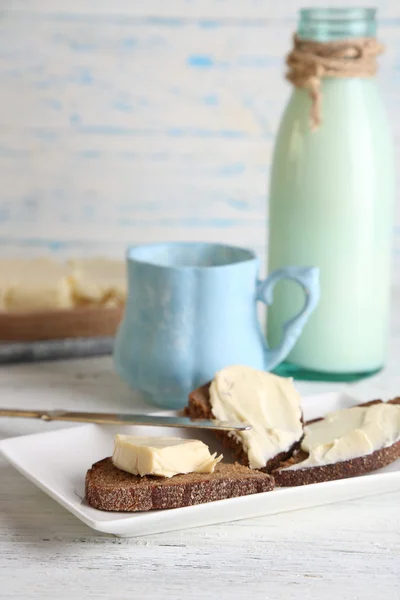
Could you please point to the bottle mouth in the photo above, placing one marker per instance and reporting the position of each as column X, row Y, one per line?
column 330, row 24
column 338, row 14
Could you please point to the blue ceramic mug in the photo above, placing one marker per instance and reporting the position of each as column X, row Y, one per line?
column 191, row 310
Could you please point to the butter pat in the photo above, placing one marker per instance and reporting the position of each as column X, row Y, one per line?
column 10, row 270
column 39, row 284
column 99, row 281
column 43, row 284
column 270, row 404
column 350, row 433
column 162, row 456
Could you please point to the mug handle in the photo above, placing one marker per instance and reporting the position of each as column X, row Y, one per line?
column 308, row 279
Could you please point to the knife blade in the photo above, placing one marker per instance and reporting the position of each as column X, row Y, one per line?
column 125, row 419
column 26, row 352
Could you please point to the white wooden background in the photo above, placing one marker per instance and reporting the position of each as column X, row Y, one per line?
column 123, row 121
column 138, row 120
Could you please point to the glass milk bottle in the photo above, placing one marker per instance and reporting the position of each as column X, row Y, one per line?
column 331, row 196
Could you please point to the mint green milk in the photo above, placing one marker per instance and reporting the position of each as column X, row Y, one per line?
column 330, row 205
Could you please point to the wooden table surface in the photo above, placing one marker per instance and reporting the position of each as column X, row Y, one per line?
column 348, row 550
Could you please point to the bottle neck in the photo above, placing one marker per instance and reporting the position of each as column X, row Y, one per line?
column 331, row 24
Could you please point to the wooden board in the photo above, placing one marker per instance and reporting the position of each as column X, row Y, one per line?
column 59, row 324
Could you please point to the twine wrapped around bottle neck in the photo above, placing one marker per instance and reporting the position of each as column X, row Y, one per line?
column 310, row 60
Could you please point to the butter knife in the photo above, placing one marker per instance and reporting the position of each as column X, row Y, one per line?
column 124, row 419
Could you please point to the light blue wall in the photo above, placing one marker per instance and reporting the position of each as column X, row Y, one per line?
column 130, row 121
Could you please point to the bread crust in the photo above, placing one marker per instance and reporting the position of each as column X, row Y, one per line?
column 110, row 489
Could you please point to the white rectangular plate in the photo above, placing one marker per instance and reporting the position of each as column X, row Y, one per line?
column 57, row 462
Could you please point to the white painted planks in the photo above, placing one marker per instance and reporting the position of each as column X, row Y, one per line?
column 139, row 121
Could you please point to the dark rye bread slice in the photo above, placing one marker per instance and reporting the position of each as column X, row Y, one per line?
column 199, row 407
column 340, row 470
column 109, row 488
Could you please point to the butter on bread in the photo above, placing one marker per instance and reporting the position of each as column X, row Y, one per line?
column 271, row 404
column 98, row 281
column 162, row 456
column 346, row 443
